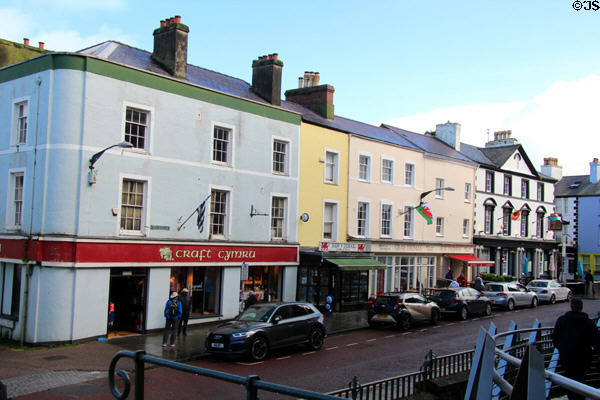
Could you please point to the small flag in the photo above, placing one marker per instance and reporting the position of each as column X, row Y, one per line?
column 554, row 217
column 200, row 220
column 516, row 215
column 425, row 211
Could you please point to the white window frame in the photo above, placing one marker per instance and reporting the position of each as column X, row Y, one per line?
column 10, row 198
column 287, row 161
column 525, row 188
column 466, row 226
column 410, row 175
column 230, row 149
column 148, row 135
column 439, row 184
column 439, row 226
column 540, row 191
column 488, row 220
column 507, row 189
column 489, row 181
column 334, row 224
column 409, row 218
column 391, row 179
column 15, row 131
column 145, row 207
column 285, row 217
column 368, row 167
column 335, row 166
column 367, row 217
column 467, row 192
column 385, row 204
column 228, row 212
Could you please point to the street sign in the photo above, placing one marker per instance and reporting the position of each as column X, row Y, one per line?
column 244, row 273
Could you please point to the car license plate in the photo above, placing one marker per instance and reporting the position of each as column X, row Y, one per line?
column 443, row 309
column 384, row 316
column 217, row 345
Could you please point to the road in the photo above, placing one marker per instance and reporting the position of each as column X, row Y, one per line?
column 369, row 354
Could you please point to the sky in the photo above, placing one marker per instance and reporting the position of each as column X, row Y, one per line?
column 532, row 67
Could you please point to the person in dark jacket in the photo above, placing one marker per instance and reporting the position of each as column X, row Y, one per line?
column 576, row 337
column 186, row 303
column 172, row 316
column 589, row 284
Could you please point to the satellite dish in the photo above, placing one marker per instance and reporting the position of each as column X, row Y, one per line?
column 304, row 217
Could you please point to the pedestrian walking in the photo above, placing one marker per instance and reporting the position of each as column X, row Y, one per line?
column 461, row 280
column 172, row 317
column 186, row 303
column 449, row 275
column 589, row 284
column 478, row 282
column 576, row 337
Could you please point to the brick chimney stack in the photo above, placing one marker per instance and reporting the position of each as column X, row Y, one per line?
column 449, row 133
column 266, row 78
column 170, row 46
column 318, row 98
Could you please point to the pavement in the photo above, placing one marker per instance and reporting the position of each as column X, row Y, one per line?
column 36, row 369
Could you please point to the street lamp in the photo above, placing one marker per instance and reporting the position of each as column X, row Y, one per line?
column 95, row 157
column 451, row 189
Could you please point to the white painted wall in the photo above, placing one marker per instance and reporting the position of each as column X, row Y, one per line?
column 289, row 283
column 158, row 294
column 230, row 301
column 90, row 298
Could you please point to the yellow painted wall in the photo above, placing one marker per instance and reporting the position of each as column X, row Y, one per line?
column 313, row 191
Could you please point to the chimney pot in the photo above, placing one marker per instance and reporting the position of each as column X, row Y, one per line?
column 178, row 19
column 41, row 44
column 170, row 48
column 163, row 23
column 275, row 56
column 300, row 82
column 26, row 41
column 596, row 160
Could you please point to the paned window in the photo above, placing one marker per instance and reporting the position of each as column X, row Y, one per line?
column 218, row 213
column 489, row 181
column 524, row 188
column 330, row 221
column 540, row 225
column 468, row 192
column 280, row 157
column 136, row 127
column 17, row 201
column 21, row 112
column 362, row 219
column 278, row 218
column 540, row 191
column 386, row 220
column 439, row 226
column 132, row 205
column 466, row 224
column 222, row 145
column 331, row 167
column 439, row 185
column 507, row 185
column 524, row 223
column 364, row 168
column 506, row 220
column 408, row 221
column 489, row 220
column 409, row 174
column 387, row 171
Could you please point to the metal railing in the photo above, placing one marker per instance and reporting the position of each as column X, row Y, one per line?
column 408, row 384
column 252, row 383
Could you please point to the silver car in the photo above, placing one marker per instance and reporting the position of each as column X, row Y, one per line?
column 550, row 290
column 510, row 294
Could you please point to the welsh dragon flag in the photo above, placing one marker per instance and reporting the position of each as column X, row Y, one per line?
column 425, row 211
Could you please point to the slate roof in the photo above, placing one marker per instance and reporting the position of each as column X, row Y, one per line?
column 576, row 186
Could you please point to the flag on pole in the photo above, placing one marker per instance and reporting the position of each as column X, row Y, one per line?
column 200, row 220
column 517, row 214
column 425, row 211
column 554, row 217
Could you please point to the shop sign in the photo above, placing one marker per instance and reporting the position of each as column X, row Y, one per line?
column 346, row 247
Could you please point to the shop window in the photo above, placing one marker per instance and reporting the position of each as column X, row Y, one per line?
column 354, row 287
column 204, row 284
column 10, row 291
column 263, row 282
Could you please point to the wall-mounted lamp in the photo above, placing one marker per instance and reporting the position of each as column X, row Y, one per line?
column 304, row 217
column 95, row 157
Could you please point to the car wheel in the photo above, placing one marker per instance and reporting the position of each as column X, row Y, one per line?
column 552, row 299
column 435, row 316
column 488, row 309
column 569, row 296
column 258, row 348
column 463, row 313
column 510, row 305
column 534, row 302
column 404, row 322
column 315, row 338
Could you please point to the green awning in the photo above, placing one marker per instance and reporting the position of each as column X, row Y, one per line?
column 356, row 264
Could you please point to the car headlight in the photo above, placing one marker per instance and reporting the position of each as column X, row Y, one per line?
column 240, row 334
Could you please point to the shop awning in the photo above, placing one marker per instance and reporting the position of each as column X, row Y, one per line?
column 470, row 259
column 356, row 264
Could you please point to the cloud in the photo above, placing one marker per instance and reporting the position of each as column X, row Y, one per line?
column 70, row 5
column 561, row 122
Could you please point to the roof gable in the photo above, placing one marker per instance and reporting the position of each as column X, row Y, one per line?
column 511, row 158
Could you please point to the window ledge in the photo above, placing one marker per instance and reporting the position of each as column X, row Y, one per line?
column 132, row 233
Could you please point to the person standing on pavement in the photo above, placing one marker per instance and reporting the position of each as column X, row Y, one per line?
column 589, row 284
column 186, row 303
column 478, row 282
column 576, row 337
column 172, row 314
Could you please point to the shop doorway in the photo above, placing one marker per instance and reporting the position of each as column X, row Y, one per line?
column 127, row 301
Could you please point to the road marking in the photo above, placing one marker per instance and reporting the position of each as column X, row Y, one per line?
column 370, row 340
column 476, row 319
column 405, row 333
column 331, row 348
column 451, row 323
column 351, row 344
column 435, row 327
column 389, row 336
column 283, row 358
column 308, row 352
column 422, row 330
column 254, row 363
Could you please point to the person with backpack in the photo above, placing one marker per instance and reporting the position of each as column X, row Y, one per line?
column 172, row 313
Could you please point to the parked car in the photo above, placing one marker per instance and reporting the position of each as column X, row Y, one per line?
column 461, row 301
column 402, row 309
column 549, row 290
column 265, row 326
column 510, row 294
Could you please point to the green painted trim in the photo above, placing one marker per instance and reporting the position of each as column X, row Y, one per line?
column 142, row 78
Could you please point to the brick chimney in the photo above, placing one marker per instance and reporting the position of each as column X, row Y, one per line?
column 449, row 133
column 318, row 98
column 551, row 168
column 594, row 171
column 170, row 46
column 266, row 78
column 502, row 138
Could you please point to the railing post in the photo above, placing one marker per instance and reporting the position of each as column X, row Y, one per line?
column 251, row 390
column 501, row 368
column 139, row 374
column 355, row 387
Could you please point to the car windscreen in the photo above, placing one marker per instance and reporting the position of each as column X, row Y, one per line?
column 443, row 294
column 493, row 288
column 257, row 313
column 538, row 284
